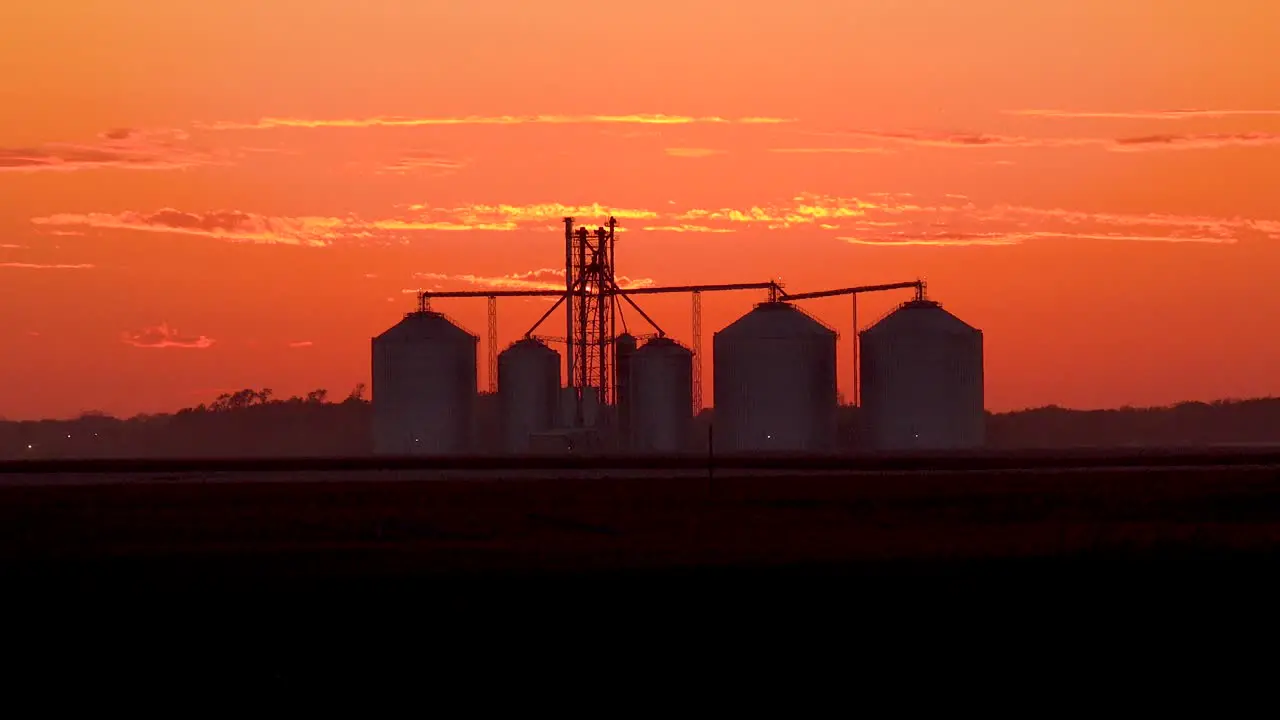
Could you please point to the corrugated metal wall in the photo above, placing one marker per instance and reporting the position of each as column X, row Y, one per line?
column 424, row 386
column 528, row 392
column 775, row 382
column 661, row 381
column 922, row 381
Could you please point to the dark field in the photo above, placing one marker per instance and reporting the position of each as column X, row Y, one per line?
column 219, row 525
column 261, row 551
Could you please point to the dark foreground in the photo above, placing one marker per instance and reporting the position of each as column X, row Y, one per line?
column 887, row 549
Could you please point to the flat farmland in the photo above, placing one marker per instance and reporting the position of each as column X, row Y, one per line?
column 398, row 521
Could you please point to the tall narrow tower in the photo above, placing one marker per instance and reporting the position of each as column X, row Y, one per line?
column 590, row 311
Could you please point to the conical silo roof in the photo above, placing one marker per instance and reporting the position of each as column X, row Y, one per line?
column 424, row 325
column 921, row 315
column 776, row 319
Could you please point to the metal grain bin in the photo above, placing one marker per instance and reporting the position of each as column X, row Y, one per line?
column 775, row 382
column 424, row 386
column 661, row 383
column 528, row 392
column 922, row 380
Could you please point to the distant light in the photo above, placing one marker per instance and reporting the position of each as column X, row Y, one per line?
column 68, row 437
column 28, row 446
column 768, row 437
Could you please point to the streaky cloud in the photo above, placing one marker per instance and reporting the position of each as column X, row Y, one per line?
column 230, row 225
column 1209, row 141
column 873, row 150
column 686, row 228
column 46, row 266
column 877, row 218
column 1156, row 142
column 550, row 279
column 164, row 336
column 680, row 152
column 942, row 239
column 268, row 123
column 1018, row 238
column 1142, row 114
column 120, row 149
column 423, row 162
column 968, row 140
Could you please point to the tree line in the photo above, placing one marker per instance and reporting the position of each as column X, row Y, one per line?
column 256, row 423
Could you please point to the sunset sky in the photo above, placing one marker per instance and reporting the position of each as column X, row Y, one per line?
column 197, row 197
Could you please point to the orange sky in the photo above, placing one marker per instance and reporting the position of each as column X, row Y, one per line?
column 204, row 196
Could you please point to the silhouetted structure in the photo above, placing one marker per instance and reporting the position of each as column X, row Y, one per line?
column 660, row 411
column 775, row 382
column 252, row 423
column 922, row 380
column 529, row 390
column 598, row 343
column 424, row 386
column 625, row 348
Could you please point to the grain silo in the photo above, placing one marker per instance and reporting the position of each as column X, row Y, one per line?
column 424, row 386
column 528, row 390
column 593, row 412
column 624, row 347
column 661, row 385
column 922, row 380
column 775, row 382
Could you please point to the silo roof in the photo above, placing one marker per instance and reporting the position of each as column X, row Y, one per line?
column 661, row 344
column 777, row 319
column 922, row 314
column 426, row 325
column 525, row 345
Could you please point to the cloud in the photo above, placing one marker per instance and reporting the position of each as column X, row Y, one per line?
column 686, row 228
column 301, row 344
column 681, row 152
column 163, row 336
column 122, row 149
column 442, row 226
column 803, row 210
column 941, row 238
column 504, row 217
column 423, row 162
column 221, row 224
column 833, row 150
column 946, row 239
column 1005, row 225
column 42, row 266
column 1143, row 114
column 967, row 140
column 540, row 279
column 1123, row 144
column 10, row 246
column 1210, row 141
column 877, row 218
column 319, row 231
column 1208, row 228
column 268, row 123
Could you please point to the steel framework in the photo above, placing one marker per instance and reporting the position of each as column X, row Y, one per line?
column 593, row 308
